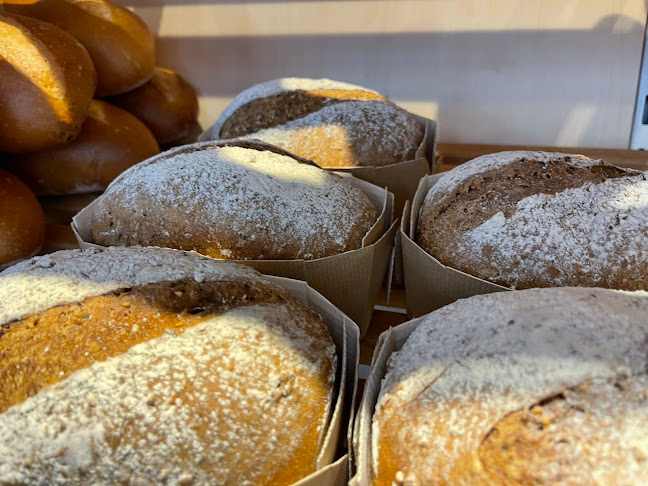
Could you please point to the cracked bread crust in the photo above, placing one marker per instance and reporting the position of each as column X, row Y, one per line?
column 540, row 386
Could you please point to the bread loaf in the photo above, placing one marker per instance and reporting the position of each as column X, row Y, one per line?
column 111, row 141
column 235, row 200
column 46, row 83
column 540, row 386
column 334, row 124
column 119, row 42
column 153, row 366
column 22, row 226
column 166, row 104
column 537, row 219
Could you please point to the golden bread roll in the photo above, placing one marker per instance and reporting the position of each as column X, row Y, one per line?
column 540, row 386
column 238, row 200
column 46, row 83
column 110, row 141
column 332, row 123
column 22, row 226
column 120, row 44
column 154, row 366
column 166, row 103
column 538, row 219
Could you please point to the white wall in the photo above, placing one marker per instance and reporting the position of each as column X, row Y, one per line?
column 541, row 72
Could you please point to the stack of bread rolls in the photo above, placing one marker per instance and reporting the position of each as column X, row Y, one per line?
column 59, row 56
column 155, row 366
column 332, row 123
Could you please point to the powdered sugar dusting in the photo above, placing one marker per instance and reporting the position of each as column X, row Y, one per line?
column 471, row 363
column 370, row 133
column 234, row 197
column 70, row 276
column 218, row 404
column 591, row 233
column 272, row 88
column 480, row 165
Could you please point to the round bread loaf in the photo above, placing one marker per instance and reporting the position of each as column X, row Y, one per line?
column 237, row 200
column 166, row 103
column 120, row 44
column 110, row 141
column 154, row 366
column 22, row 226
column 541, row 386
column 334, row 124
column 46, row 83
column 537, row 219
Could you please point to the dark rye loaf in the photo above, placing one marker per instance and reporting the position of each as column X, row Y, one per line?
column 537, row 219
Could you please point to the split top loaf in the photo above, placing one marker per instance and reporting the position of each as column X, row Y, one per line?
column 538, row 219
column 334, row 124
column 540, row 386
column 236, row 200
column 155, row 366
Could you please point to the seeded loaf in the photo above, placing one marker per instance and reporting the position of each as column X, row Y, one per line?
column 540, row 386
column 237, row 200
column 537, row 219
column 155, row 366
column 332, row 123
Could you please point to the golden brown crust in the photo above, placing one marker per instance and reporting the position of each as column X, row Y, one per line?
column 166, row 103
column 220, row 379
column 111, row 141
column 119, row 42
column 281, row 108
column 448, row 217
column 22, row 226
column 47, row 80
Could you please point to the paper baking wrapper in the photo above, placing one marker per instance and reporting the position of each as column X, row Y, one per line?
column 388, row 342
column 428, row 283
column 350, row 280
column 346, row 337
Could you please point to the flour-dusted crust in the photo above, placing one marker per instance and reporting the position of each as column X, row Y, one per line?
column 272, row 88
column 534, row 219
column 238, row 393
column 354, row 133
column 527, row 387
column 236, row 202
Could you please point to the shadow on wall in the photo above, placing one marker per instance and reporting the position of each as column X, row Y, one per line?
column 541, row 87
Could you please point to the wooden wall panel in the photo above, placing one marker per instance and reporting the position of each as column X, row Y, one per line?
column 540, row 72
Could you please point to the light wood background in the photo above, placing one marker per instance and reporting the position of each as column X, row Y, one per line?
column 530, row 72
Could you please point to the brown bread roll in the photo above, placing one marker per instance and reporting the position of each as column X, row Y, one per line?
column 111, row 141
column 332, row 123
column 166, row 103
column 537, row 219
column 540, row 386
column 22, row 226
column 154, row 366
column 46, row 83
column 237, row 200
column 120, row 44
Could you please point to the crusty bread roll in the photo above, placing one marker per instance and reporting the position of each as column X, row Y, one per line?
column 119, row 42
column 537, row 219
column 540, row 386
column 334, row 124
column 111, row 141
column 166, row 103
column 154, row 366
column 46, row 83
column 238, row 200
column 22, row 226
